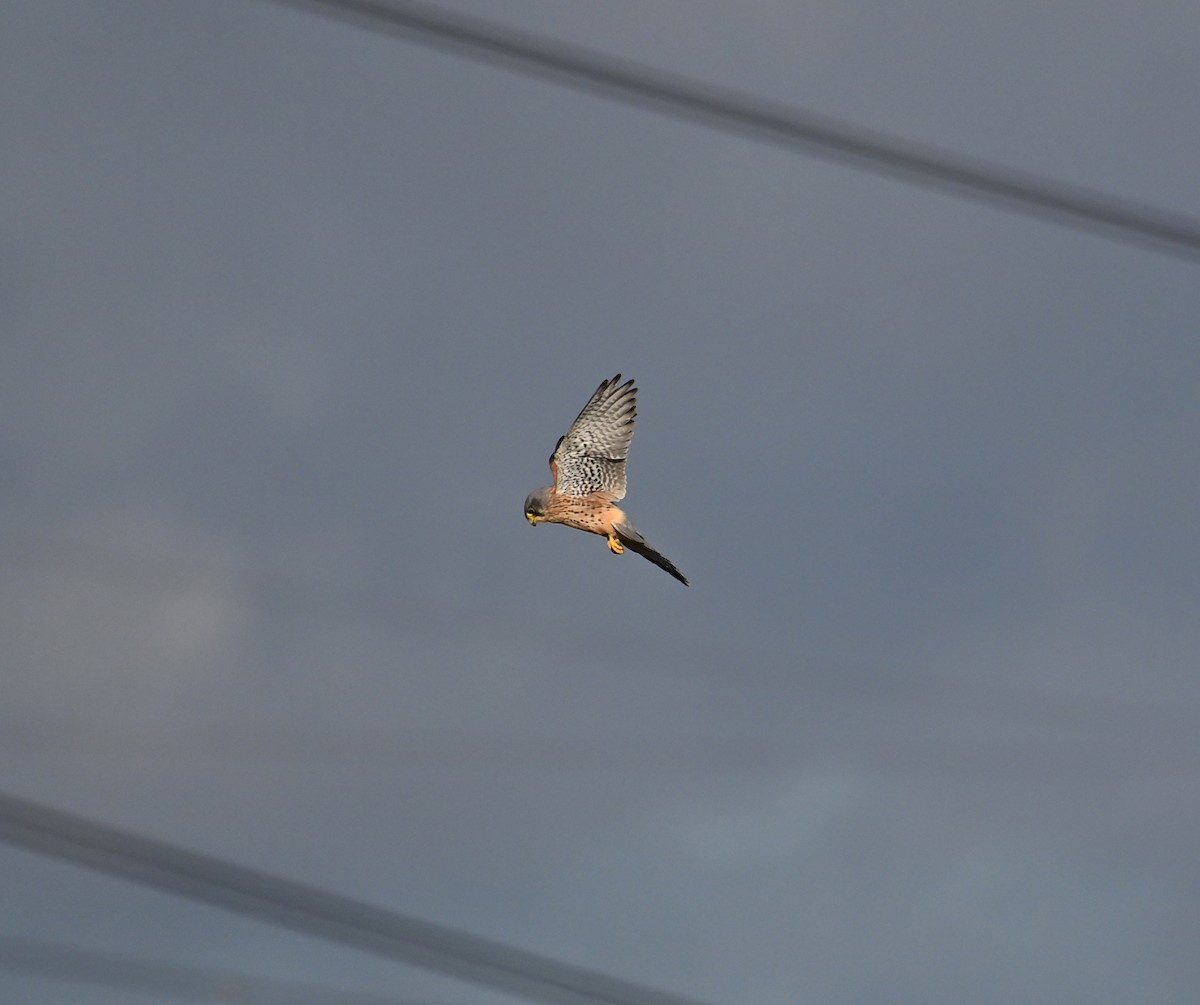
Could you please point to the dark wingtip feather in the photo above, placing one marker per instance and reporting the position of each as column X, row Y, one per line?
column 606, row 385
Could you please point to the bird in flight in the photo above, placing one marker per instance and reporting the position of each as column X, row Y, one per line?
column 588, row 467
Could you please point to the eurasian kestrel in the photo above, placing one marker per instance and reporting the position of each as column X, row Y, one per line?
column 588, row 467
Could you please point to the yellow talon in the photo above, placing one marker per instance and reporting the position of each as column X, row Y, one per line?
column 615, row 546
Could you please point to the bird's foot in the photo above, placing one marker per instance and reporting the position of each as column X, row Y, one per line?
column 615, row 546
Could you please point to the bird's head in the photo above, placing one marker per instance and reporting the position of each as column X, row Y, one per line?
column 536, row 504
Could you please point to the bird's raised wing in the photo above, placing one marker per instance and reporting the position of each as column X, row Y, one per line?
column 591, row 456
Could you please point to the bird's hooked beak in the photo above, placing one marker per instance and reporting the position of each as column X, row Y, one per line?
column 532, row 519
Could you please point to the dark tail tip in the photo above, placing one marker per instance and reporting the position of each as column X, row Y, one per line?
column 637, row 544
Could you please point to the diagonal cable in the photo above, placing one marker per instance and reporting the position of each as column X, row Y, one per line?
column 737, row 112
column 313, row 911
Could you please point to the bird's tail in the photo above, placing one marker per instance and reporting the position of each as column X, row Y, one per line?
column 629, row 536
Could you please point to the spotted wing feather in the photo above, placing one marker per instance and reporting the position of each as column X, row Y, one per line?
column 591, row 456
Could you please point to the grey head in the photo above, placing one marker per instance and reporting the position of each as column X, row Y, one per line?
column 536, row 504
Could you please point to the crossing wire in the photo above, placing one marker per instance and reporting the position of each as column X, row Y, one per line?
column 76, row 965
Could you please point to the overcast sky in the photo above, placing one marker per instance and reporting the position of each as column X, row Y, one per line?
column 292, row 315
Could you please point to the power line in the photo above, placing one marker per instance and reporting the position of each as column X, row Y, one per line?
column 313, row 911
column 119, row 972
column 737, row 112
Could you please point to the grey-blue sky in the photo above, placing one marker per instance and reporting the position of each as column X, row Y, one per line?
column 292, row 316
